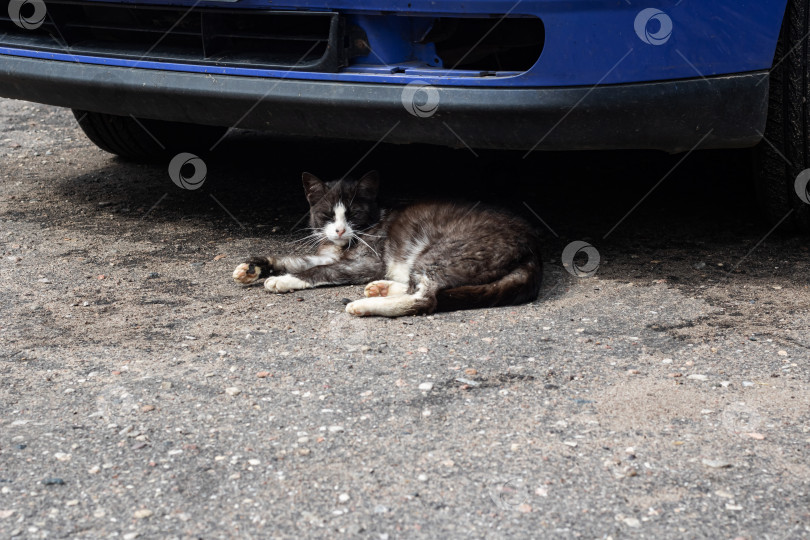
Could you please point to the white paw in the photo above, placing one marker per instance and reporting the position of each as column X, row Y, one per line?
column 385, row 288
column 285, row 283
column 358, row 308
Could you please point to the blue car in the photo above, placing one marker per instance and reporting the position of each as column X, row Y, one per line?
column 530, row 75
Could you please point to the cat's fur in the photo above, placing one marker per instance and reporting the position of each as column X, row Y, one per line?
column 423, row 258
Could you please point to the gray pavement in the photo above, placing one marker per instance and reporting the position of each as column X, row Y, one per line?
column 144, row 395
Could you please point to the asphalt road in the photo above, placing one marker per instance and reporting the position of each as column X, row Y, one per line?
column 145, row 395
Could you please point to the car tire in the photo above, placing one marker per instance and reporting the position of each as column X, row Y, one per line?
column 785, row 150
column 144, row 139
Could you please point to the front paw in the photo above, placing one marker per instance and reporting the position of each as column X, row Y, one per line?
column 246, row 273
column 285, row 283
column 253, row 269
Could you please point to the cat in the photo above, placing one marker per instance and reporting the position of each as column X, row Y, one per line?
column 423, row 258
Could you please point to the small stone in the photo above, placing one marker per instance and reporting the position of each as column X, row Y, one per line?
column 152, row 275
column 632, row 522
column 343, row 497
column 716, row 463
column 426, row 386
column 130, row 536
column 142, row 514
column 254, row 462
column 725, row 384
column 782, row 353
column 5, row 514
column 733, row 506
column 524, row 508
column 697, row 377
column 422, row 477
column 336, row 429
column 756, row 436
column 94, row 469
column 666, row 361
column 380, row 509
column 572, row 444
column 198, row 264
column 72, row 502
column 165, row 385
column 233, row 391
column 345, row 301
column 748, row 384
column 61, row 456
column 400, row 383
column 471, row 372
column 263, row 374
column 53, row 481
column 147, row 408
column 304, row 451
column 699, row 265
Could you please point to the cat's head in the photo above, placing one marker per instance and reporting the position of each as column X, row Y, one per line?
column 341, row 210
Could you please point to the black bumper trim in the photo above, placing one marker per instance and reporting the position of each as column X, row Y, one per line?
column 670, row 115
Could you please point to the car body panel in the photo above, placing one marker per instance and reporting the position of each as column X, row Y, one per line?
column 587, row 42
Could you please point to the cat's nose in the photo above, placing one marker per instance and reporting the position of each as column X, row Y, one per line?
column 340, row 232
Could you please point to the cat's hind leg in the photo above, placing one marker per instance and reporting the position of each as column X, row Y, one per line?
column 422, row 300
column 385, row 288
column 252, row 270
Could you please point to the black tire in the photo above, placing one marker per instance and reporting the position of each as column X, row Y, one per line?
column 788, row 129
column 143, row 139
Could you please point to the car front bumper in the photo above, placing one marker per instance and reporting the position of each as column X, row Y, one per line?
column 726, row 111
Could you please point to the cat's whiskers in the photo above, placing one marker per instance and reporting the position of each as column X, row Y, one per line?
column 307, row 240
column 367, row 245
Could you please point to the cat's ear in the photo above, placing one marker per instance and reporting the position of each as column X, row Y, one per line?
column 369, row 185
column 314, row 188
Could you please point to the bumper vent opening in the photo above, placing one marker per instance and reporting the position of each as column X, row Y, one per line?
column 495, row 44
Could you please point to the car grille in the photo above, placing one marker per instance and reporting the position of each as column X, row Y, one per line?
column 300, row 41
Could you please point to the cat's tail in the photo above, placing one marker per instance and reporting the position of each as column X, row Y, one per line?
column 519, row 286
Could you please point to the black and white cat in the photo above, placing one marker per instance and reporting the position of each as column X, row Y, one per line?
column 423, row 258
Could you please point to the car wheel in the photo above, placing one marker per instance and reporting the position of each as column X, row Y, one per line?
column 144, row 139
column 785, row 151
